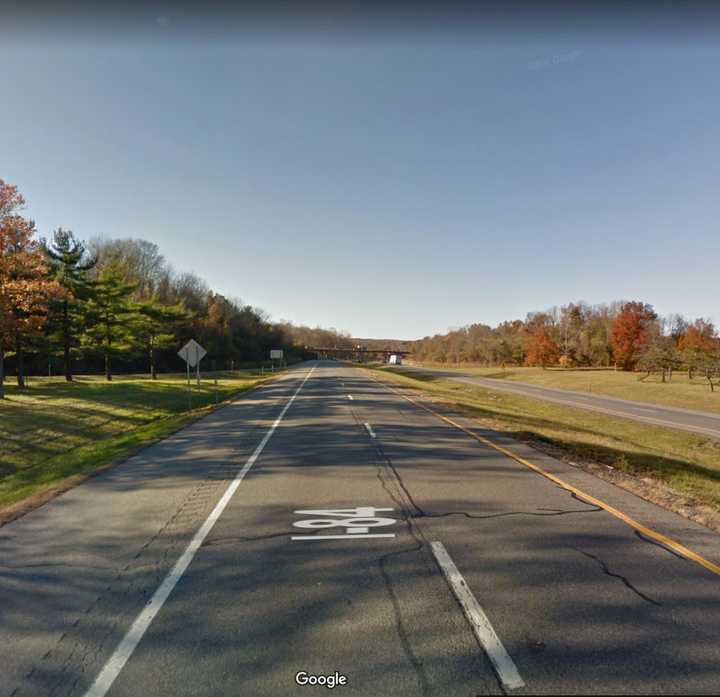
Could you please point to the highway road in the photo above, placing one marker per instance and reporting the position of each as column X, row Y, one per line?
column 325, row 525
column 701, row 422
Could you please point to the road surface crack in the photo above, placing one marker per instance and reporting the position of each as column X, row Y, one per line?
column 395, row 489
column 402, row 633
column 421, row 513
column 642, row 537
column 606, row 570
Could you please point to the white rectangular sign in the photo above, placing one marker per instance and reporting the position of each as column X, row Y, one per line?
column 276, row 354
column 192, row 353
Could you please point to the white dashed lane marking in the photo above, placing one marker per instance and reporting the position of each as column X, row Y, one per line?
column 504, row 666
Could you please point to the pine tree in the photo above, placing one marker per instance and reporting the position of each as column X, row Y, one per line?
column 152, row 328
column 69, row 263
column 110, row 314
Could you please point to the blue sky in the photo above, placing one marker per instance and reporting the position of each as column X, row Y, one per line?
column 390, row 186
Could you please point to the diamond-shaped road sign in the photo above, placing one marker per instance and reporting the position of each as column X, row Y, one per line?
column 192, row 353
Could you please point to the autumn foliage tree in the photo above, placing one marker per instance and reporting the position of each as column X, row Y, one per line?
column 115, row 302
column 541, row 348
column 119, row 302
column 630, row 333
column 697, row 344
column 25, row 288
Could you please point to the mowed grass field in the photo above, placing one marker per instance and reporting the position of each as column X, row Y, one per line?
column 689, row 464
column 55, row 430
column 680, row 392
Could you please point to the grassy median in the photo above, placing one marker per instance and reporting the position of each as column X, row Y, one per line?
column 689, row 464
column 680, row 392
column 54, row 430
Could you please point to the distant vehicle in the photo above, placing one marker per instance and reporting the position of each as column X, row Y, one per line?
column 395, row 359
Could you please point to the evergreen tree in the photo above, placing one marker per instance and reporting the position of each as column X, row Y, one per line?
column 152, row 329
column 110, row 314
column 69, row 264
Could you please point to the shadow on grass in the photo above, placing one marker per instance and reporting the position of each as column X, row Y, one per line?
column 52, row 419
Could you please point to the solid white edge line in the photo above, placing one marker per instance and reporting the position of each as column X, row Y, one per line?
column 129, row 643
column 369, row 429
column 504, row 666
column 343, row 537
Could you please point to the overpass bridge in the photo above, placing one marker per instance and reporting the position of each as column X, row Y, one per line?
column 360, row 354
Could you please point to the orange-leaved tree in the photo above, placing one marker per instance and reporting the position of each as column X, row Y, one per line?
column 24, row 285
column 697, row 344
column 630, row 332
column 541, row 349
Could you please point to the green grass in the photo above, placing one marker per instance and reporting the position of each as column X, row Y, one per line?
column 680, row 392
column 688, row 463
column 55, row 429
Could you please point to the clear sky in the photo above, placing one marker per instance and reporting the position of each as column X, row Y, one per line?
column 387, row 183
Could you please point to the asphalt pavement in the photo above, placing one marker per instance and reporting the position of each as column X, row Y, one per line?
column 702, row 422
column 323, row 525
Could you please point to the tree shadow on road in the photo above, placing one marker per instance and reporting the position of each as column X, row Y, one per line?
column 580, row 602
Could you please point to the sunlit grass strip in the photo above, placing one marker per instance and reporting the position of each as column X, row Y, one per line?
column 85, row 458
column 43, row 448
column 680, row 392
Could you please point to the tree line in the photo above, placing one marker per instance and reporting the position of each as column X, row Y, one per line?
column 626, row 335
column 117, row 305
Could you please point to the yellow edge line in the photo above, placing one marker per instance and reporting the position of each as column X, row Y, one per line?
column 648, row 532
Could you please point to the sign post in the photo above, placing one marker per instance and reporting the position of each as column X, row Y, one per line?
column 275, row 354
column 192, row 353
